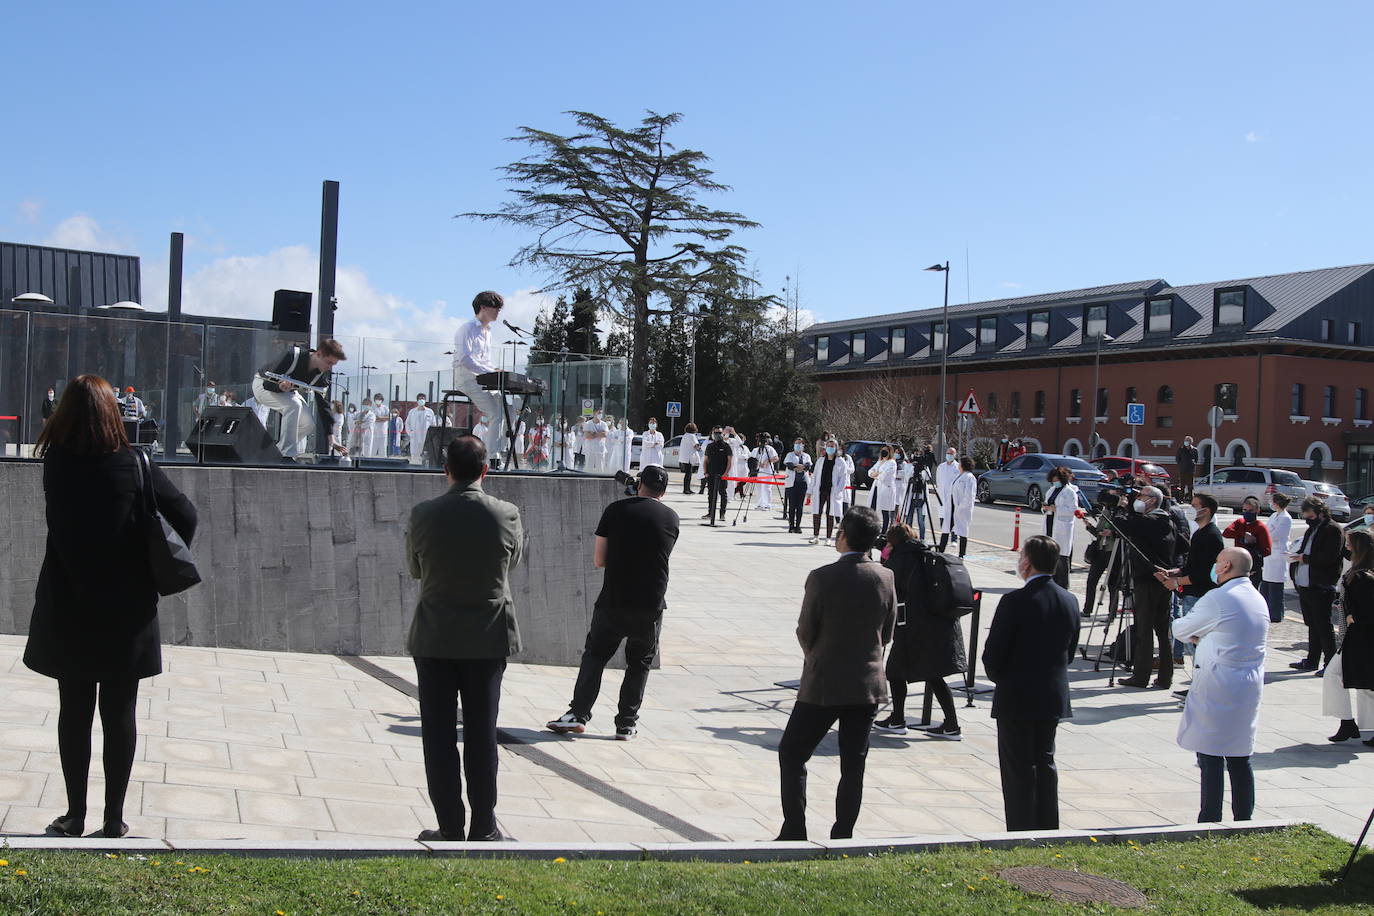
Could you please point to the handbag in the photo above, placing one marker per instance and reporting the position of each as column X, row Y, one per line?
column 174, row 569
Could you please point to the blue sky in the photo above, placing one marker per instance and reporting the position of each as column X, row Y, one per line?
column 1059, row 144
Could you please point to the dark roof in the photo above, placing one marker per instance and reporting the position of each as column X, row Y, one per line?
column 1290, row 295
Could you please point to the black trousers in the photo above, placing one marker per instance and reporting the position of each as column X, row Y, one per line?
column 944, row 542
column 687, row 471
column 78, row 701
column 1030, row 783
column 716, row 490
column 608, row 630
column 1152, row 625
column 806, row 728
column 796, row 502
column 444, row 682
column 1316, row 613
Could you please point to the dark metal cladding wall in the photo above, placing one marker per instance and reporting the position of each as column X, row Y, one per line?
column 79, row 279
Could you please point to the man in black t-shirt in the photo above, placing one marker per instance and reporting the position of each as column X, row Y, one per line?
column 633, row 543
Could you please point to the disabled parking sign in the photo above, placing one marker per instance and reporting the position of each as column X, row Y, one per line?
column 1135, row 414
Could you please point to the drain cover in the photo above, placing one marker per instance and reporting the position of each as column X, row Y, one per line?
column 1073, row 886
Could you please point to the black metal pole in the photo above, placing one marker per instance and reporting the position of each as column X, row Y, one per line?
column 171, row 408
column 329, row 256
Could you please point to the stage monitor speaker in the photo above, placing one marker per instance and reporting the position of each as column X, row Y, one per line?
column 437, row 439
column 232, row 435
column 381, row 464
column 291, row 311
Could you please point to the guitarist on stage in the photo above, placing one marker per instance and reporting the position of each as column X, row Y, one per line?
column 308, row 367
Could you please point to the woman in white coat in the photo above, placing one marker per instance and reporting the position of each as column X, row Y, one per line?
column 1275, row 570
column 945, row 475
column 963, row 491
column 1064, row 504
column 826, row 491
column 884, row 477
column 1229, row 625
column 615, row 445
column 650, row 445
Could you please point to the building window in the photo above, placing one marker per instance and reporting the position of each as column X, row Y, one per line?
column 1039, row 324
column 1352, row 332
column 1130, row 395
column 1040, row 405
column 1166, row 395
column 898, row 345
column 1226, row 396
column 1328, row 329
column 992, row 404
column 1164, row 422
column 1329, row 401
column 857, row 342
column 822, row 349
column 1361, row 402
column 937, row 337
column 1094, row 321
column 1160, row 316
column 1075, row 403
column 1016, row 405
column 1229, row 308
column 1102, row 405
column 1296, row 404
column 987, row 333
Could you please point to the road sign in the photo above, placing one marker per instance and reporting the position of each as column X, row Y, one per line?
column 1214, row 417
column 588, row 407
column 1135, row 414
column 674, row 409
column 970, row 404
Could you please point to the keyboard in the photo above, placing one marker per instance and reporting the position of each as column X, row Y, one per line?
column 511, row 383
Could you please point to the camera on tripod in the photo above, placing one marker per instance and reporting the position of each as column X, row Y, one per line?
column 629, row 481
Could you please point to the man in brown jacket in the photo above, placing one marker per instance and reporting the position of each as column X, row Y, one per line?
column 847, row 617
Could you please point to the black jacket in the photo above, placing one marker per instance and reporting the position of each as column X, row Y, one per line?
column 1357, row 651
column 95, row 607
column 1186, row 458
column 1033, row 639
column 925, row 645
column 1325, row 559
column 718, row 454
column 295, row 363
column 1153, row 534
column 1203, row 549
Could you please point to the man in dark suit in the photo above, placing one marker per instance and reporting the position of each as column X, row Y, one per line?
column 1315, row 574
column 848, row 614
column 462, row 547
column 1033, row 638
column 717, row 458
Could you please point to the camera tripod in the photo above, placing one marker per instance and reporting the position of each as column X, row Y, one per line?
column 1117, row 564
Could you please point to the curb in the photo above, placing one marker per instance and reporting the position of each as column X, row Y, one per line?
column 660, row 852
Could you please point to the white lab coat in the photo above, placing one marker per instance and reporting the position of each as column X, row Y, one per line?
column 651, row 449
column 1221, row 714
column 362, row 432
column 418, row 422
column 615, row 449
column 959, row 510
column 627, row 449
column 839, row 480
column 594, row 449
column 1280, row 526
column 687, row 450
column 884, row 476
column 767, row 458
column 945, row 475
column 739, row 458
column 381, row 419
column 1066, row 503
column 849, row 479
column 796, row 463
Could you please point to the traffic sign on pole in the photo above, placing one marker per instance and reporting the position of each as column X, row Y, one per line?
column 674, row 409
column 969, row 405
column 1135, row 414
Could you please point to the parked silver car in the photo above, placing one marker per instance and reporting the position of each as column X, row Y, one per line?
column 1023, row 481
column 1336, row 500
column 1230, row 486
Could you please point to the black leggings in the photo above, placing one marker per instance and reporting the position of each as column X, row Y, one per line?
column 963, row 543
column 816, row 525
column 76, row 713
column 938, row 689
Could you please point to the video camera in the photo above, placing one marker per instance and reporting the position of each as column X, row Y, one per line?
column 1116, row 494
column 629, row 481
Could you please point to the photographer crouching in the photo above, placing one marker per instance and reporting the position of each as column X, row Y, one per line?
column 1151, row 541
column 634, row 540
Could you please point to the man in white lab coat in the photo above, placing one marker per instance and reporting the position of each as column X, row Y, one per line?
column 651, row 445
column 946, row 472
column 418, row 421
column 1229, row 625
column 381, row 417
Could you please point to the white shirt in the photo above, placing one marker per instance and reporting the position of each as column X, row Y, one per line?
column 766, row 456
column 686, row 449
column 1280, row 526
column 472, row 347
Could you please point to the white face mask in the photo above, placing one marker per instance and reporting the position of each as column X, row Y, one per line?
column 653, row 426
column 1368, row 518
column 949, row 458
column 420, row 403
column 1139, row 506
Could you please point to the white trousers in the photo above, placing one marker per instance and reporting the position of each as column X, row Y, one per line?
column 296, row 420
column 1336, row 698
column 765, row 492
column 596, row 457
column 417, row 448
column 379, row 439
column 488, row 402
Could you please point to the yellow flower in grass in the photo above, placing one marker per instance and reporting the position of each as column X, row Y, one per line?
column 1093, row 838
column 500, row 896
column 4, row 863
column 560, row 860
column 20, row 872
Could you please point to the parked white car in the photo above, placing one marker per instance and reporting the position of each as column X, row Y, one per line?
column 1336, row 501
column 1230, row 486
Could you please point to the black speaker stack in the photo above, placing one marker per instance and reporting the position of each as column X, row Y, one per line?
column 232, row 435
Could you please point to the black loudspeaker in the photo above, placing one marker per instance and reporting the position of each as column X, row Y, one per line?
column 291, row 311
column 437, row 439
column 232, row 435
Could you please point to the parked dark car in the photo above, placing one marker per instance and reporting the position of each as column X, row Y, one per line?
column 1023, row 479
column 865, row 455
column 1120, row 467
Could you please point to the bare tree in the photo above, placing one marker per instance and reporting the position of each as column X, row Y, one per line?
column 886, row 409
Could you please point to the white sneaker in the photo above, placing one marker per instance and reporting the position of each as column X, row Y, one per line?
column 826, row 543
column 568, row 724
column 813, row 541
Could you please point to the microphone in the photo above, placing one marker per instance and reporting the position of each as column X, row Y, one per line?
column 514, row 328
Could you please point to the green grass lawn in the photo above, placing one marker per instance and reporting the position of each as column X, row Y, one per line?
column 1284, row 872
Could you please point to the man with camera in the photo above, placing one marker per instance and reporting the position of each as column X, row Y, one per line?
column 633, row 543
column 717, row 457
column 1150, row 544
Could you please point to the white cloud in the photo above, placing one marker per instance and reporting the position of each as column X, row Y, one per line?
column 82, row 231
column 1011, row 284
column 779, row 314
column 30, row 210
column 1253, row 137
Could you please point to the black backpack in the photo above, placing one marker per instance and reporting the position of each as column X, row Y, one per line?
column 942, row 581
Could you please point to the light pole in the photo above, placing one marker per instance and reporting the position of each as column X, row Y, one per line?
column 944, row 356
column 1097, row 368
column 407, row 363
column 366, row 390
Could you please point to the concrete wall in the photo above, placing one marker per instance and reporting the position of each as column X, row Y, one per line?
column 312, row 561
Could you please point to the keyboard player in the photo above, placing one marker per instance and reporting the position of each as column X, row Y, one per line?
column 472, row 357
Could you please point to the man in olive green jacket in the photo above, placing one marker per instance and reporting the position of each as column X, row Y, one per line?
column 462, row 546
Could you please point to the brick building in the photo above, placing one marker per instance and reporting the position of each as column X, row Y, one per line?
column 1288, row 358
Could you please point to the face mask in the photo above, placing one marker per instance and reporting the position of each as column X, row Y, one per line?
column 715, row 436
column 421, row 402
column 799, row 449
column 949, row 459
column 653, row 426
column 830, row 450
column 51, row 396
column 1249, row 516
column 1368, row 518
column 209, row 391
column 1213, row 575
column 1139, row 506
column 598, row 416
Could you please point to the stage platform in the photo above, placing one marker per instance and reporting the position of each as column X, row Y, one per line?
column 313, row 560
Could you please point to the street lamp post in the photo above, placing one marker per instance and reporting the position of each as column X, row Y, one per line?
column 366, row 369
column 944, row 357
column 1097, row 368
column 407, row 363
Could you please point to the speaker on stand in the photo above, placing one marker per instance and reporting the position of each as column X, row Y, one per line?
column 232, row 435
column 291, row 312
column 437, row 439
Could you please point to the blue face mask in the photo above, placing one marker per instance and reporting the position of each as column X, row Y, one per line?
column 797, row 448
column 1213, row 575
column 830, row 450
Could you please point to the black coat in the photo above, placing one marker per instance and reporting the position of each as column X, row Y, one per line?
column 95, row 607
column 1357, row 651
column 1033, row 639
column 1325, row 558
column 925, row 646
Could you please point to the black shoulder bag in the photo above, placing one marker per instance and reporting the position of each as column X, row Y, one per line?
column 174, row 569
